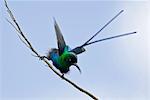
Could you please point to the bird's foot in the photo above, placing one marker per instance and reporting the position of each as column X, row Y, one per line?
column 42, row 57
column 62, row 76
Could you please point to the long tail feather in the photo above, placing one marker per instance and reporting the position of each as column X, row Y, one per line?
column 117, row 36
column 103, row 27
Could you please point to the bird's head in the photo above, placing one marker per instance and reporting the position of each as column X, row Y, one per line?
column 70, row 58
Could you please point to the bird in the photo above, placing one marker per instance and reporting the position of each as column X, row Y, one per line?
column 64, row 57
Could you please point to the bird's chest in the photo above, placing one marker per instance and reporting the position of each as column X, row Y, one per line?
column 60, row 64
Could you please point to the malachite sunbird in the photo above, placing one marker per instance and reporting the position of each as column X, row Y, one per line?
column 63, row 57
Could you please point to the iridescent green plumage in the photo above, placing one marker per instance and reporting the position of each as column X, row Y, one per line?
column 64, row 57
column 64, row 61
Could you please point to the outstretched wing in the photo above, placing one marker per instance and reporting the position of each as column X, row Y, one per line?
column 60, row 40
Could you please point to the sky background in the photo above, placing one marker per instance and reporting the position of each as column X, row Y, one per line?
column 112, row 70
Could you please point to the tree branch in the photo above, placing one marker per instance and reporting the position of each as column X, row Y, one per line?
column 24, row 39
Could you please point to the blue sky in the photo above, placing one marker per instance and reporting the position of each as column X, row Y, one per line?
column 112, row 70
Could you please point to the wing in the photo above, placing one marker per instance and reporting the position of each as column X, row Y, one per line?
column 60, row 40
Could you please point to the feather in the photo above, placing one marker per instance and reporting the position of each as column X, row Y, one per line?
column 60, row 39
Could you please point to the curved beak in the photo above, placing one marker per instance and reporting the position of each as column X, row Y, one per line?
column 75, row 64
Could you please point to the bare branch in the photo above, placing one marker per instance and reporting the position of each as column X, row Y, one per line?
column 28, row 44
column 12, row 25
column 18, row 32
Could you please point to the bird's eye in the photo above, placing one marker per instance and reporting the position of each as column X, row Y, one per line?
column 69, row 60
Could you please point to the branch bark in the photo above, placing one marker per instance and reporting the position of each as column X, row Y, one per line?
column 24, row 39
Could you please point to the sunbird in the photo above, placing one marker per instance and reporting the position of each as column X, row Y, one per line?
column 64, row 57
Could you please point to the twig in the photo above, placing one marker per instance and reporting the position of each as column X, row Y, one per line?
column 28, row 44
